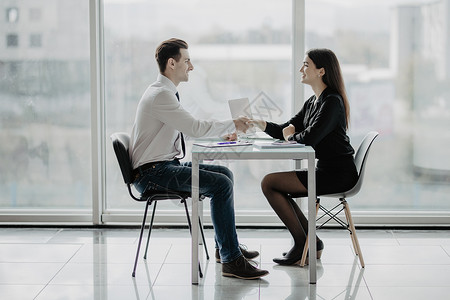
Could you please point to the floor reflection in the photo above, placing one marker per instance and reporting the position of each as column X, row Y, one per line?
column 351, row 291
column 300, row 289
column 299, row 285
column 83, row 264
column 101, row 274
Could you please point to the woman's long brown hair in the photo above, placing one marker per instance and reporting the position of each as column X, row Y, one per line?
column 325, row 58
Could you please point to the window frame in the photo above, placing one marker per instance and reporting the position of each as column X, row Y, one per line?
column 99, row 215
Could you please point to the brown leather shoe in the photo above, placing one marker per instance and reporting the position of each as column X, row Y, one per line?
column 247, row 254
column 241, row 268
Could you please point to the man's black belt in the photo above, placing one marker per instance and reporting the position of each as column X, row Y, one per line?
column 139, row 170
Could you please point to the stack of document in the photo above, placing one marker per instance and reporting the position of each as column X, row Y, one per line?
column 279, row 144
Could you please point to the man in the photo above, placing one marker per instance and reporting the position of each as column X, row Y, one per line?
column 157, row 140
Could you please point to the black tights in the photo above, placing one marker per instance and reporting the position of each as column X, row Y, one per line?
column 277, row 187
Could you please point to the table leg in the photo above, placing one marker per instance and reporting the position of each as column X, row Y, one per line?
column 298, row 164
column 195, row 224
column 312, row 218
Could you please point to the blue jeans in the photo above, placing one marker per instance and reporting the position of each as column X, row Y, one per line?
column 216, row 183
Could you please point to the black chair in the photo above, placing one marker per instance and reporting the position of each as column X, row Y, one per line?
column 121, row 142
column 360, row 161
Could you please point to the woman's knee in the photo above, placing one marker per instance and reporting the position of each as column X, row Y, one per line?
column 267, row 183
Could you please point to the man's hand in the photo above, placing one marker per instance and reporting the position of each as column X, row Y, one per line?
column 288, row 131
column 261, row 124
column 230, row 137
column 241, row 124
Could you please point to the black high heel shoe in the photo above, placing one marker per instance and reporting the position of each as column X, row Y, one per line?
column 288, row 261
column 319, row 248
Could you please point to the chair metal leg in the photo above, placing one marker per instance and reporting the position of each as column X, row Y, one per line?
column 356, row 246
column 150, row 229
column 203, row 237
column 305, row 249
column 140, row 239
column 201, row 229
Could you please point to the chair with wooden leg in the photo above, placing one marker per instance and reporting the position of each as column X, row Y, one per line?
column 333, row 214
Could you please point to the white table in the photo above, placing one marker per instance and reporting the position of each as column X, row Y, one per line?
column 199, row 154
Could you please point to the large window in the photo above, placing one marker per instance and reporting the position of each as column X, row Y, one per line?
column 395, row 56
column 45, row 108
column 395, row 60
column 238, row 49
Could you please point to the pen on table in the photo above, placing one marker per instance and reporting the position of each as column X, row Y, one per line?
column 226, row 143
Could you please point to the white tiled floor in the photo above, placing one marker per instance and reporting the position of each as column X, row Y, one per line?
column 51, row 263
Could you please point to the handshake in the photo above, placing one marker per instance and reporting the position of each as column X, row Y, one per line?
column 242, row 124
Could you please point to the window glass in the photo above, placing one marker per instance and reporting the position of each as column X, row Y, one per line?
column 238, row 49
column 394, row 56
column 45, row 145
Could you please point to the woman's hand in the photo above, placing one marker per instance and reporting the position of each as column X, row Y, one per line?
column 230, row 137
column 288, row 131
column 261, row 124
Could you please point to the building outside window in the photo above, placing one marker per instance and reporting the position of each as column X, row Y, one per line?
column 35, row 40
column 12, row 40
column 35, row 14
column 12, row 14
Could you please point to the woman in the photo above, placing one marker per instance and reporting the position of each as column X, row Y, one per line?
column 321, row 123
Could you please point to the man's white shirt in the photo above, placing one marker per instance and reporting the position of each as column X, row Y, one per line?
column 159, row 119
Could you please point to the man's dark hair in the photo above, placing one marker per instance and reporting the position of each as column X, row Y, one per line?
column 169, row 49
